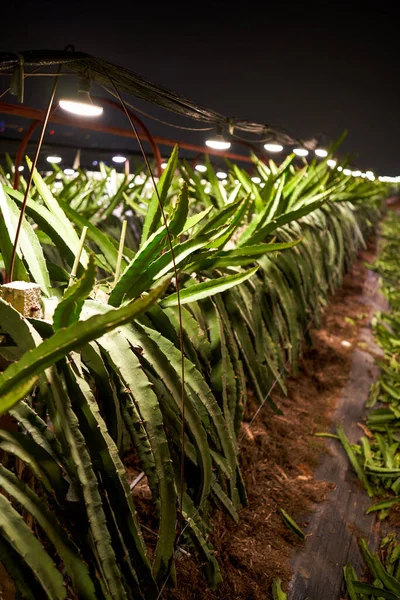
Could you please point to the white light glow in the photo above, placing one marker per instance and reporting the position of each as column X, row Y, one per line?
column 346, row 171
column 340, row 168
column 201, row 168
column 119, row 159
column 163, row 165
column 69, row 171
column 345, row 343
column 300, row 151
column 82, row 109
column 273, row 147
column 356, row 173
column 58, row 185
column 21, row 168
column 331, row 163
column 321, row 153
column 139, row 180
column 256, row 179
column 54, row 159
column 218, row 143
column 221, row 175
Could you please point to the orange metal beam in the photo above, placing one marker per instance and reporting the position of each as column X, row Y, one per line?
column 37, row 115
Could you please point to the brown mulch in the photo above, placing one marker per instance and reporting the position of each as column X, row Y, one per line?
column 278, row 456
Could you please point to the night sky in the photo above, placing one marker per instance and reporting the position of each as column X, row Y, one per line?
column 310, row 68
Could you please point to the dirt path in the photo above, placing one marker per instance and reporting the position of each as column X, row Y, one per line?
column 336, row 524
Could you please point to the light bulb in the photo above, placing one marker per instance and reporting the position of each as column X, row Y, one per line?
column 139, row 180
column 273, row 147
column 81, row 103
column 256, row 179
column 69, row 171
column 201, row 168
column 331, row 163
column 21, row 168
column 346, row 171
column 54, row 159
column 81, row 109
column 119, row 159
column 300, row 151
column 321, row 153
column 356, row 173
column 221, row 175
column 218, row 143
column 340, row 168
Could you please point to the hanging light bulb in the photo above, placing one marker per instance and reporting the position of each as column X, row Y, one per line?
column 81, row 103
column 300, row 151
column 273, row 147
column 119, row 159
column 54, row 159
column 218, row 142
column 321, row 153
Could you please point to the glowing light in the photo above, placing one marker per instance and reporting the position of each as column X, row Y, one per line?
column 345, row 343
column 340, row 168
column 139, row 180
column 218, row 143
column 21, row 168
column 321, row 153
column 221, row 175
column 163, row 165
column 95, row 163
column 370, row 175
column 356, row 173
column 82, row 109
column 54, row 159
column 300, row 151
column 273, row 147
column 256, row 179
column 201, row 168
column 119, row 159
column 331, row 163
column 69, row 171
column 58, row 185
column 346, row 171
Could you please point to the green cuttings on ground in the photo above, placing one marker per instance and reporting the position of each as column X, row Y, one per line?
column 376, row 458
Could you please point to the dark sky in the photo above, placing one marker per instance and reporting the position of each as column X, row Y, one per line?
column 308, row 67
